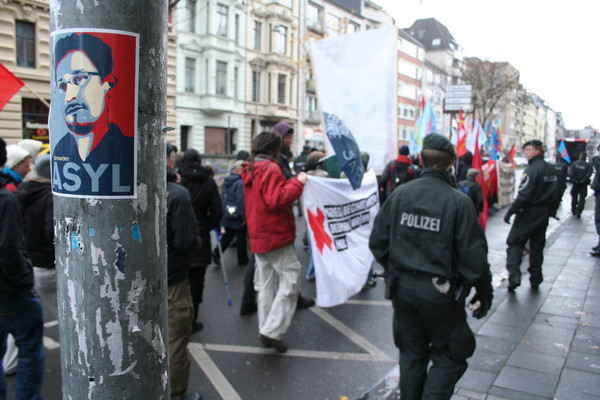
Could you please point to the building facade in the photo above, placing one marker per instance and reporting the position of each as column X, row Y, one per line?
column 24, row 51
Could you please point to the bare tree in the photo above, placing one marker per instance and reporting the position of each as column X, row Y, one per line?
column 494, row 85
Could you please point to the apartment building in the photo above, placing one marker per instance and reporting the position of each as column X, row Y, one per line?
column 24, row 50
column 210, row 75
column 411, row 64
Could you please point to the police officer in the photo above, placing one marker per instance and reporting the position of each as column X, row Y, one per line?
column 536, row 202
column 580, row 174
column 428, row 237
column 595, row 186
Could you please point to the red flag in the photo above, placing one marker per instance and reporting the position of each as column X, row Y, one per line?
column 461, row 142
column 511, row 156
column 9, row 85
column 478, row 164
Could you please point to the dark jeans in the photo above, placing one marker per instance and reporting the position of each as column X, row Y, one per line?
column 197, row 287
column 22, row 317
column 240, row 236
column 249, row 294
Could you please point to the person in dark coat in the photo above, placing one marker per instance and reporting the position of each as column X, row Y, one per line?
column 35, row 197
column 182, row 239
column 464, row 163
column 473, row 189
column 208, row 210
column 233, row 221
column 20, row 308
column 580, row 174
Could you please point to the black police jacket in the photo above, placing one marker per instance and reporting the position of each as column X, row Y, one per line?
column 428, row 226
column 540, row 187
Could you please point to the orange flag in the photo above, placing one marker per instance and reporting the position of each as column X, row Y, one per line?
column 9, row 85
column 461, row 141
column 511, row 156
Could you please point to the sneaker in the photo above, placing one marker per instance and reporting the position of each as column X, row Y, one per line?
column 513, row 285
column 248, row 309
column 273, row 343
column 197, row 327
column 303, row 302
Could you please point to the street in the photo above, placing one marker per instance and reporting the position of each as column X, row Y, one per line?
column 334, row 352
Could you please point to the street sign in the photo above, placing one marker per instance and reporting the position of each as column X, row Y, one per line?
column 466, row 95
column 457, row 107
column 458, row 101
column 459, row 88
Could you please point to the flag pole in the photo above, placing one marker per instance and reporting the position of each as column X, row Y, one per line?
column 36, row 94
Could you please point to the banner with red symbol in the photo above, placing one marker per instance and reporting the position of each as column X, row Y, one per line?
column 339, row 221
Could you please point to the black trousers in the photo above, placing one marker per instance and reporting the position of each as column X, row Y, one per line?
column 578, row 195
column 241, row 237
column 528, row 226
column 429, row 327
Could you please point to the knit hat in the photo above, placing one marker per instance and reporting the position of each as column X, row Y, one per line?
column 404, row 150
column 15, row 154
column 283, row 128
column 436, row 141
column 472, row 172
column 42, row 166
column 242, row 155
column 2, row 152
column 32, row 146
column 170, row 148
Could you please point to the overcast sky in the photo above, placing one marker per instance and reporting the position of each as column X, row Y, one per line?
column 553, row 43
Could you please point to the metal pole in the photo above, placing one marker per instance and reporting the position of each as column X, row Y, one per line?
column 111, row 252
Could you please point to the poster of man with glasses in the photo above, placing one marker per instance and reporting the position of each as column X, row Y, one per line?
column 93, row 117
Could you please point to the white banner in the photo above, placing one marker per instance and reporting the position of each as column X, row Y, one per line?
column 356, row 81
column 506, row 183
column 339, row 221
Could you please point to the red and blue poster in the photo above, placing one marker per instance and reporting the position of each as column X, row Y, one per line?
column 93, row 117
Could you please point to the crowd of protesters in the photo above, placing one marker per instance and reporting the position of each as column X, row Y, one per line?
column 252, row 211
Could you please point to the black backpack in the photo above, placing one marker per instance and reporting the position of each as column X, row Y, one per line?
column 400, row 173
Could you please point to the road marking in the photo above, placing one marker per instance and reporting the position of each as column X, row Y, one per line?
column 350, row 334
column 50, row 343
column 50, row 324
column 325, row 355
column 386, row 303
column 218, row 380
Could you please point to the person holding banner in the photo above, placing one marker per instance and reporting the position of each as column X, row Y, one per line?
column 428, row 238
column 272, row 230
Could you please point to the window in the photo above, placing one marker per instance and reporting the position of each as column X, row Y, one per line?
column 281, row 32
column 25, row 44
column 190, row 75
column 333, row 24
column 222, row 20
column 353, row 27
column 312, row 111
column 236, row 72
column 255, row 86
column 281, row 78
column 436, row 42
column 221, row 85
column 237, row 28
column 257, row 33
column 190, row 11
column 314, row 16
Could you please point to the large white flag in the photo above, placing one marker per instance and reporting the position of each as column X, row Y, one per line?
column 356, row 82
column 339, row 221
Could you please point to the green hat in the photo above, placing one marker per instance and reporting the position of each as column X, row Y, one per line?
column 436, row 141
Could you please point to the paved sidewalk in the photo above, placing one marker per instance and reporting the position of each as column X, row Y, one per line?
column 537, row 344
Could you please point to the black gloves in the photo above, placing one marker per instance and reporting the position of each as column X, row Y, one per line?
column 484, row 297
column 507, row 217
column 310, row 166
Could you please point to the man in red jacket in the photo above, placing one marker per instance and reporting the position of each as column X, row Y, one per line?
column 272, row 230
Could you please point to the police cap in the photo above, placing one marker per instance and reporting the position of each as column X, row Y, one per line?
column 436, row 141
column 535, row 143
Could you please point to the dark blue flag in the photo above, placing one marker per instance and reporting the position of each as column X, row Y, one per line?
column 346, row 149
